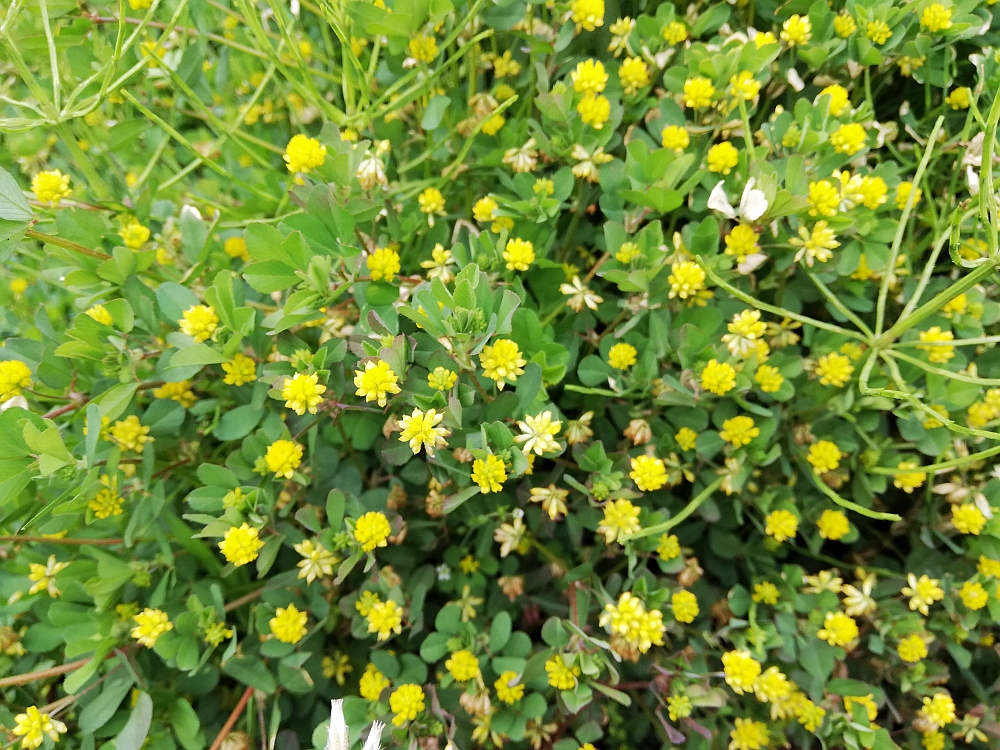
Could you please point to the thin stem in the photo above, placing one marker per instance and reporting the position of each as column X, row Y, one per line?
column 690, row 508
column 66, row 244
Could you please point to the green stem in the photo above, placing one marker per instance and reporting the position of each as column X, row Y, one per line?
column 690, row 508
column 49, row 239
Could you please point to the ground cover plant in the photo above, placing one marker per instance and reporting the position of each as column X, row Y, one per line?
column 551, row 375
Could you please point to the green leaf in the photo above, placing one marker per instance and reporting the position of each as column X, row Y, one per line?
column 99, row 711
column 133, row 734
column 252, row 672
column 434, row 112
column 238, row 423
column 115, row 401
column 13, row 205
column 197, row 354
column 500, row 631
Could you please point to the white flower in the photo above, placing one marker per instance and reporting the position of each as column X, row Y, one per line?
column 539, row 433
column 374, row 741
column 523, row 159
column 443, row 572
column 371, row 172
column 753, row 203
column 337, row 737
column 580, row 295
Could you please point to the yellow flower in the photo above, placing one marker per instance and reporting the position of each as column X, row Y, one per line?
column 903, row 195
column 484, row 209
column 839, row 98
column 873, row 191
column 538, row 433
column 988, row 566
column 502, row 362
column 862, row 700
column 493, row 124
column 838, row 629
column 372, row 530
column 442, row 379
column 675, row 32
column 833, row 525
column 129, row 434
column 241, row 369
column 648, row 473
column 844, row 25
column 106, row 503
column 14, row 375
column 423, row 48
column 973, row 595
column 668, row 547
column 240, row 545
column 406, row 702
column 686, row 279
column 43, row 576
column 463, row 665
column 959, row 98
column 937, row 354
column 33, row 727
column 489, row 474
column 180, row 392
column 420, row 429
column 199, row 322
column 376, row 382
column 923, row 592
column 772, row 686
column 519, row 254
column 503, row 66
column 834, row 369
column 587, row 14
column 718, row 378
column 622, row 356
column 431, row 202
column 824, row 456
column 675, row 138
column 698, row 92
column 509, row 690
column 685, row 606
column 968, row 519
column 686, row 438
column 679, row 707
column 781, row 524
column 100, row 314
column 288, row 624
column 383, row 264
column 283, row 458
column 935, row 17
column 879, row 31
column 938, row 710
column 741, row 670
column 134, row 235
column 763, row 38
column 373, row 683
column 722, row 157
column 956, row 306
column 739, row 431
column 797, row 30
column 743, row 85
column 303, row 393
column 909, row 480
column 815, row 245
column 633, row 75
column 316, row 560
column 594, row 110
column 150, row 624
column 589, row 77
column 912, row 649
column 621, row 518
column 768, row 378
column 849, row 139
column 823, row 198
column 933, row 740
column 304, row 154
column 236, row 247
column 51, row 187
column 561, row 677
column 366, row 601
column 18, row 287
column 765, row 592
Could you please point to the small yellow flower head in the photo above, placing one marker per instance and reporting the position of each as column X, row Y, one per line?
column 180, row 392
column 797, row 30
column 679, row 707
column 587, row 14
column 519, row 254
column 502, row 362
column 129, row 434
column 33, row 727
column 493, row 124
column 241, row 369
column 216, row 633
column 722, row 157
column 288, row 624
column 739, row 431
column 283, row 458
column 484, row 208
column 633, row 74
column 504, row 66
column 106, row 503
column 686, row 279
column 376, row 382
column 383, row 264
column 903, row 195
column 935, row 18
column 648, row 473
column 718, row 377
column 741, row 671
column 594, row 110
column 772, row 686
column 50, row 187
column 14, row 375
column 968, row 519
column 839, row 99
column 561, row 677
column 939, row 709
column 18, row 287
column 959, row 98
column 833, row 525
column 937, row 354
column 849, row 139
column 100, row 314
column 509, row 690
column 910, row 480
column 431, row 201
column 824, row 456
column 406, row 702
column 768, row 378
column 236, row 247
column 589, row 77
column 150, row 624
column 685, row 606
column 873, row 191
column 240, row 545
column 675, row 138
column 304, row 154
column 844, row 25
column 766, row 593
column 622, row 356
column 420, row 429
column 489, row 473
column 686, row 438
column 698, row 92
column 423, row 48
column 838, row 629
column 675, row 32
column 442, row 379
column 923, row 592
column 912, row 648
column 933, row 740
column 988, row 567
column 781, row 524
column 373, row 683
column 973, row 595
column 744, row 86
column 763, row 38
column 834, row 369
column 43, row 576
column 366, row 601
column 317, row 560
column 621, row 518
column 303, row 393
column 372, row 530
column 823, row 198
column 668, row 547
column 463, row 665
column 134, row 235
column 199, row 322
